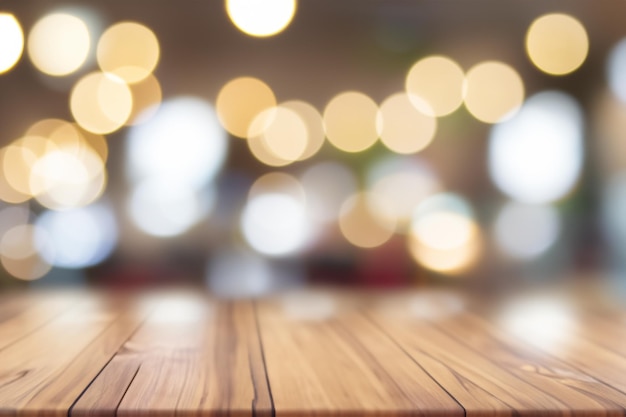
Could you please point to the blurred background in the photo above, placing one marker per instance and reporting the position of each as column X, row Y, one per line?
column 250, row 145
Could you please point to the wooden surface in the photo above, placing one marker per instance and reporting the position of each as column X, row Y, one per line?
column 417, row 352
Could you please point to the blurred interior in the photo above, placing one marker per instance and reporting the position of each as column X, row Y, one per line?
column 250, row 146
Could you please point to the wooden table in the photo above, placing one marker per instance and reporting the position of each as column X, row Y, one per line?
column 417, row 352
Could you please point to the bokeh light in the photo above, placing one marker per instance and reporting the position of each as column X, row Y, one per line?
column 17, row 163
column 80, row 237
column 547, row 322
column 403, row 183
column 557, row 43
column 314, row 125
column 147, row 98
column 525, row 231
column 405, row 129
column 327, row 185
column 261, row 18
column 240, row 101
column 444, row 236
column 279, row 183
column 19, row 252
column 537, row 156
column 616, row 70
column 59, row 44
column 351, row 121
column 101, row 103
column 129, row 50
column 166, row 208
column 183, row 142
column 7, row 192
column 283, row 132
column 494, row 91
column 275, row 224
column 11, row 41
column 438, row 81
column 365, row 220
column 258, row 147
column 61, row 180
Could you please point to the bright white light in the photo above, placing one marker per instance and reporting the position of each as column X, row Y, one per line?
column 166, row 208
column 183, row 142
column 327, row 185
column 536, row 157
column 526, row 231
column 544, row 322
column 11, row 41
column 616, row 70
column 275, row 224
column 261, row 17
column 81, row 237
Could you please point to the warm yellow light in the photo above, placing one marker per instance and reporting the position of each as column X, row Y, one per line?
column 101, row 103
column 494, row 91
column 261, row 18
column 19, row 252
column 66, row 136
column 44, row 127
column 147, row 98
column 59, row 44
column 283, row 133
column 93, row 142
column 129, row 50
column 351, row 121
column 61, row 180
column 448, row 261
column 314, row 124
column 11, row 41
column 17, row 163
column 557, row 43
column 7, row 193
column 259, row 148
column 405, row 129
column 363, row 220
column 240, row 101
column 438, row 80
column 444, row 230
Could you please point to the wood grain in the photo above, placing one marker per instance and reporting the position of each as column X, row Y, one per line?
column 45, row 371
column 490, row 374
column 340, row 363
column 24, row 313
column 322, row 353
column 192, row 356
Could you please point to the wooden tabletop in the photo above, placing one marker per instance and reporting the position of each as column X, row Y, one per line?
column 416, row 352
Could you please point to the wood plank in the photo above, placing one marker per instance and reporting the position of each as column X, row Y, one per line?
column 548, row 373
column 575, row 337
column 488, row 379
column 46, row 371
column 22, row 313
column 192, row 356
column 322, row 360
